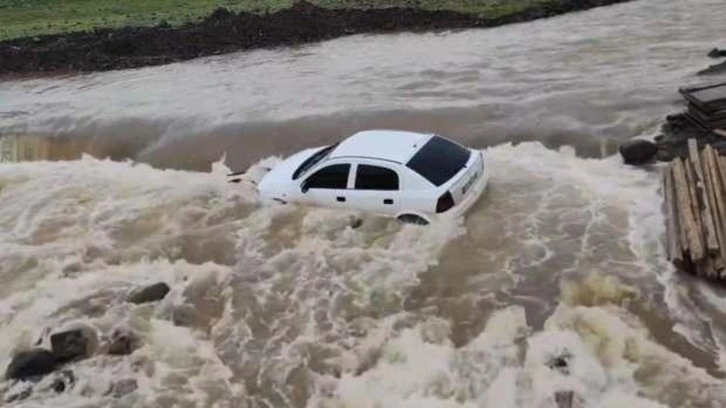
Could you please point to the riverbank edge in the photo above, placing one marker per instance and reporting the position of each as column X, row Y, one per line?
column 225, row 32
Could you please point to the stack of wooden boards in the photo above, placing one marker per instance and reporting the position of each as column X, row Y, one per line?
column 695, row 207
column 707, row 107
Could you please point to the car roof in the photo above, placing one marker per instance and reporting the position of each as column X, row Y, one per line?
column 390, row 145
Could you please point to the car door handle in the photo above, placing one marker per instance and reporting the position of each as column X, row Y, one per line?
column 388, row 201
column 340, row 199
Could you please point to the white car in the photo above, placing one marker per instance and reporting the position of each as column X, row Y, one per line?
column 413, row 177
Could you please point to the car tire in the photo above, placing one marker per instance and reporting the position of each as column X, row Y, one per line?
column 412, row 219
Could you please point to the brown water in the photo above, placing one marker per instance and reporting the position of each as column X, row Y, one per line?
column 275, row 307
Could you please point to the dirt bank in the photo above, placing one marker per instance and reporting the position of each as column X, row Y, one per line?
column 224, row 32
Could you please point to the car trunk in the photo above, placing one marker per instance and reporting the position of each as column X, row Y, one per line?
column 463, row 184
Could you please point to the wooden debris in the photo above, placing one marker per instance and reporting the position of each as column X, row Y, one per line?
column 695, row 208
column 716, row 199
column 701, row 201
column 687, row 219
column 673, row 232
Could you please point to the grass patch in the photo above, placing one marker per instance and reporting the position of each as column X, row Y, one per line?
column 27, row 18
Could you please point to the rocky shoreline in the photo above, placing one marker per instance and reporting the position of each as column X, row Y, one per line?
column 48, row 366
column 224, row 32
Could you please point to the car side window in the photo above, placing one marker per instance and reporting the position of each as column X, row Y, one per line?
column 334, row 177
column 375, row 178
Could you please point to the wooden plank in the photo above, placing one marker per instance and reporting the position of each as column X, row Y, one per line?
column 673, row 231
column 709, row 187
column 681, row 196
column 692, row 198
column 716, row 188
column 704, row 206
column 718, row 211
column 695, row 207
column 708, row 269
column 679, row 215
column 721, row 167
column 687, row 218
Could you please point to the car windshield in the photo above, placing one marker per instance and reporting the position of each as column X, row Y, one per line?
column 313, row 160
column 439, row 160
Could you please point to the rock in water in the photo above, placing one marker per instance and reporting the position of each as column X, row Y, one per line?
column 31, row 363
column 714, row 69
column 638, row 152
column 63, row 381
column 560, row 363
column 356, row 222
column 123, row 342
column 564, row 399
column 72, row 345
column 151, row 293
column 123, row 387
column 25, row 393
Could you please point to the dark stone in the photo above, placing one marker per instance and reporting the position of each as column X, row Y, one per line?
column 32, row 363
column 71, row 345
column 63, row 381
column 58, row 385
column 123, row 387
column 714, row 69
column 356, row 222
column 151, row 293
column 638, row 152
column 123, row 343
column 664, row 154
column 564, row 399
column 560, row 363
column 25, row 393
column 716, row 53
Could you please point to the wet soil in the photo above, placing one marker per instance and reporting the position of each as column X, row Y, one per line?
column 224, row 32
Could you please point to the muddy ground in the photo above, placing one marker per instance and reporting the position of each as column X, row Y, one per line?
column 224, row 31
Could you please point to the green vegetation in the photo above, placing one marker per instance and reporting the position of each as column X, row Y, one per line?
column 25, row 18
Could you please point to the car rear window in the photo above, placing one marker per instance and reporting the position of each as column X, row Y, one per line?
column 439, row 160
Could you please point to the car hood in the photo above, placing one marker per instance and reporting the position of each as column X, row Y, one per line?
column 282, row 172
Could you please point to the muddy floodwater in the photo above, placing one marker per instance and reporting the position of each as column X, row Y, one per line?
column 287, row 306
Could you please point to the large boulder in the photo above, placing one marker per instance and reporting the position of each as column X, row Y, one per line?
column 31, row 363
column 148, row 294
column 73, row 345
column 638, row 152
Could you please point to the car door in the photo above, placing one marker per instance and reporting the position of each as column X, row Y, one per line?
column 327, row 186
column 376, row 188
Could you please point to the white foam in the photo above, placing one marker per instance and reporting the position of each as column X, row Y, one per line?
column 303, row 292
column 603, row 354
